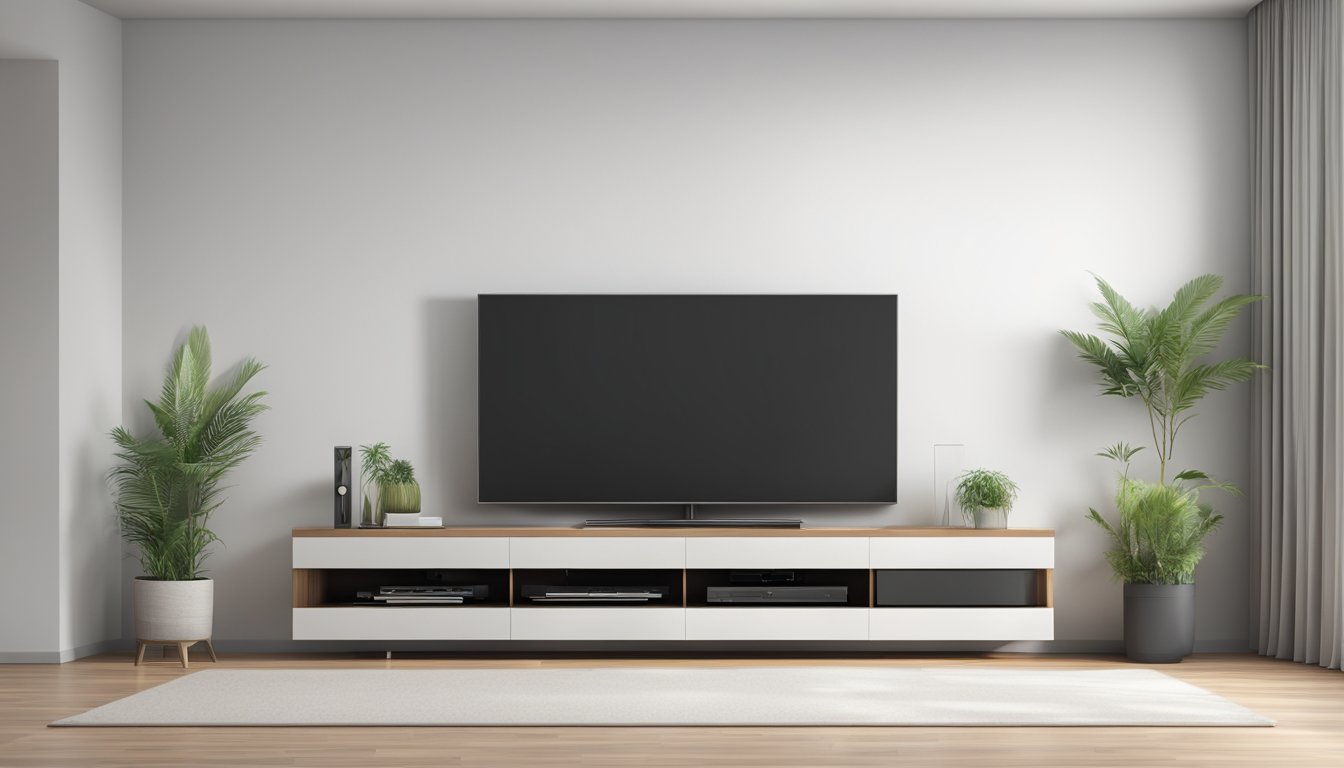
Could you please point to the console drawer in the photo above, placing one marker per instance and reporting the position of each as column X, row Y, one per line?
column 393, row 623
column 400, row 552
column 982, row 587
column 766, row 623
column 963, row 552
column 628, row 552
column 605, row 623
column 961, row 624
column 776, row 552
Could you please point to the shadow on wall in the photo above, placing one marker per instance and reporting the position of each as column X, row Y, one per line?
column 95, row 607
column 451, row 418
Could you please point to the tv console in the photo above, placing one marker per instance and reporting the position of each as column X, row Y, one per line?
column 919, row 584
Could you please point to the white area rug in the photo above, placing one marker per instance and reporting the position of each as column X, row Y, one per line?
column 673, row 697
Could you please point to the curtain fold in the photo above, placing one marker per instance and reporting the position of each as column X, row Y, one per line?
column 1297, row 112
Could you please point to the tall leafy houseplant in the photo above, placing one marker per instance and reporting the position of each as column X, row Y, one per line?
column 167, row 485
column 1158, row 356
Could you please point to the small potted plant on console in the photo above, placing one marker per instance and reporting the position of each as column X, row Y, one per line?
column 986, row 497
column 398, row 491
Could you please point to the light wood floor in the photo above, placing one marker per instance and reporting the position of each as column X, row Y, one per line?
column 1308, row 703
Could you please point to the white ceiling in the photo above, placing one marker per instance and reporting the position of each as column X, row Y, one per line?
column 806, row 9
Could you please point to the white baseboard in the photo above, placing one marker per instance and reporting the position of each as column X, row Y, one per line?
column 675, row 648
column 30, row 657
column 62, row 656
column 689, row 647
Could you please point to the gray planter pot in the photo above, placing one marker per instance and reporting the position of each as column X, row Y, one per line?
column 174, row 611
column 1159, row 622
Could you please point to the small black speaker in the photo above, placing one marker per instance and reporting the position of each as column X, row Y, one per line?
column 343, row 486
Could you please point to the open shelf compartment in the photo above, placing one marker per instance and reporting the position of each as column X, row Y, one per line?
column 337, row 587
column 669, row 579
column 854, row 580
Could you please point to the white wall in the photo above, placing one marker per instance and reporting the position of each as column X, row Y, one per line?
column 85, row 315
column 28, row 345
column 330, row 196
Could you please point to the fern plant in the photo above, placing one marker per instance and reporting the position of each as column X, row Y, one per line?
column 167, row 485
column 1159, row 538
column 987, row 489
column 1155, row 355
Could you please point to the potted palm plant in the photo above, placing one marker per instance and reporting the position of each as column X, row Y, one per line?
column 1158, row 356
column 986, row 497
column 168, row 484
column 1159, row 539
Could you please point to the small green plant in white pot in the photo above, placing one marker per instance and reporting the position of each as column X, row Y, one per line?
column 167, row 485
column 986, row 497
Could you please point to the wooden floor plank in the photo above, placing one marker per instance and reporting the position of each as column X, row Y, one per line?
column 1307, row 701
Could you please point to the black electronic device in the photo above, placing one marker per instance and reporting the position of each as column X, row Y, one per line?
column 548, row 593
column 344, row 487
column 777, row 595
column 691, row 521
column 425, row 595
column 763, row 577
column 687, row 400
column 977, row 587
column 470, row 591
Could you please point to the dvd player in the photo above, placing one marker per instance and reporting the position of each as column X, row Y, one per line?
column 778, row 594
column 549, row 593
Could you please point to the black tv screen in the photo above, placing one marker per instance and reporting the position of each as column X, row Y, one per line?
column 687, row 399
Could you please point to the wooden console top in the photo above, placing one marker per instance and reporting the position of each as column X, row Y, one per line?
column 521, row 531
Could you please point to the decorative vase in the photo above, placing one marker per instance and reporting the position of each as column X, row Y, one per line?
column 399, row 497
column 172, row 611
column 371, row 510
column 986, row 517
column 1159, row 622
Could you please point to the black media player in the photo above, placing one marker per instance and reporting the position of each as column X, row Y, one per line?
column 778, row 594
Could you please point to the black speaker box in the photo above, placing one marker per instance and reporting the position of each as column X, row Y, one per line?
column 344, row 488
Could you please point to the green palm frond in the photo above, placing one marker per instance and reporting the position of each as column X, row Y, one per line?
column 1155, row 355
column 1205, row 331
column 167, row 486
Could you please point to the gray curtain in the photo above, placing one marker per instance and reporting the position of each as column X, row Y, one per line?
column 1297, row 108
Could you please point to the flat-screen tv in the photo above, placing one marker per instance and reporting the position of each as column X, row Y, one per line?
column 687, row 399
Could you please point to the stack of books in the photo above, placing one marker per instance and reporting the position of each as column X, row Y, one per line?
column 411, row 520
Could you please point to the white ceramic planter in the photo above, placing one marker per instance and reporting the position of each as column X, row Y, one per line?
column 174, row 611
column 990, row 518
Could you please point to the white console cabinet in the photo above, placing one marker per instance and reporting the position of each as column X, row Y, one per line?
column 933, row 584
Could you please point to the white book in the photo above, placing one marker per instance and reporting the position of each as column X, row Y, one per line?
column 400, row 519
column 432, row 522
